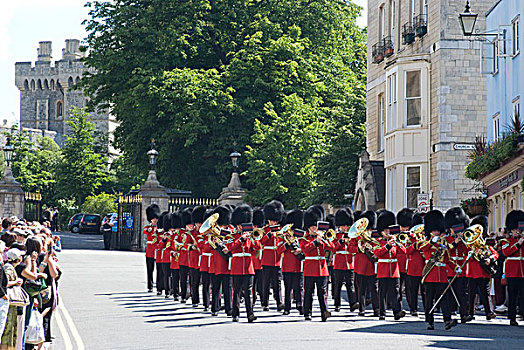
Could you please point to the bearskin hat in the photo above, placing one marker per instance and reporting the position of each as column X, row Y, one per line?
column 167, row 222
column 434, row 221
column 243, row 214
column 197, row 216
column 456, row 216
column 344, row 217
column 371, row 216
column 224, row 218
column 186, row 217
column 152, row 212
column 418, row 219
column 258, row 217
column 513, row 218
column 160, row 223
column 295, row 217
column 481, row 220
column 311, row 216
column 176, row 220
column 274, row 211
column 385, row 219
column 405, row 217
column 356, row 214
column 331, row 219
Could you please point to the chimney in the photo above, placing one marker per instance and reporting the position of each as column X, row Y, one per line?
column 44, row 51
column 71, row 50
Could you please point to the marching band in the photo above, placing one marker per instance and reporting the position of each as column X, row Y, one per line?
column 239, row 253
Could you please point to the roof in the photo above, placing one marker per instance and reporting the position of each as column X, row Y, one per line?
column 493, row 7
column 379, row 179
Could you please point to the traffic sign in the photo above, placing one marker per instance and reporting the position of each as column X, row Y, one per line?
column 423, row 202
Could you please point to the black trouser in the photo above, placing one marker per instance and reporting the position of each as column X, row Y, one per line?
column 184, row 275
column 165, row 276
column 107, row 239
column 364, row 283
column 483, row 286
column 150, row 267
column 309, row 284
column 242, row 285
column 293, row 282
column 175, row 277
column 343, row 277
column 401, row 286
column 388, row 291
column 412, row 289
column 257, row 285
column 194, row 275
column 271, row 276
column 460, row 288
column 433, row 292
column 515, row 296
column 206, row 282
column 332, row 278
column 219, row 281
column 159, row 277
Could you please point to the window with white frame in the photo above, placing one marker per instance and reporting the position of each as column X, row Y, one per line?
column 413, row 98
column 516, row 109
column 412, row 186
column 392, row 9
column 412, row 9
column 496, row 126
column 391, row 92
column 425, row 9
column 381, row 122
column 515, row 41
column 382, row 23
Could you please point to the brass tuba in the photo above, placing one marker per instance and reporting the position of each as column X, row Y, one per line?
column 359, row 230
column 472, row 238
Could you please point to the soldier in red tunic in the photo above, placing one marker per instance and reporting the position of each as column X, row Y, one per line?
column 195, row 258
column 152, row 214
column 292, row 262
column 388, row 272
column 258, row 222
column 513, row 249
column 274, row 213
column 242, row 269
column 183, row 260
column 415, row 265
column 404, row 220
column 176, row 245
column 158, row 254
column 435, row 277
column 164, row 251
column 343, row 260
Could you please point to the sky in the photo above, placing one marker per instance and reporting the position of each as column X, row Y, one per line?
column 24, row 23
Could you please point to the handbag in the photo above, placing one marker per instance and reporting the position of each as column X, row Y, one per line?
column 17, row 296
column 33, row 287
column 35, row 330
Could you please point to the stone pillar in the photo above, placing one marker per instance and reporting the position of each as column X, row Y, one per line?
column 12, row 200
column 152, row 192
column 234, row 193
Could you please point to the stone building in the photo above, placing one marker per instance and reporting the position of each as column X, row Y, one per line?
column 47, row 91
column 426, row 100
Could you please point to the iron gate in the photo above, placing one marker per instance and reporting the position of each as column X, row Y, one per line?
column 32, row 206
column 180, row 203
column 129, row 231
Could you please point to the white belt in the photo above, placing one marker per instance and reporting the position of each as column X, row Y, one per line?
column 515, row 258
column 149, row 242
column 387, row 260
column 271, row 247
column 457, row 258
column 439, row 264
column 240, row 255
column 206, row 254
column 315, row 258
column 345, row 252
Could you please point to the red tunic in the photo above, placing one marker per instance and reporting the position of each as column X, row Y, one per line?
column 387, row 265
column 402, row 261
column 475, row 270
column 220, row 266
column 205, row 257
column 194, row 254
column 363, row 266
column 241, row 262
column 164, row 246
column 290, row 262
column 458, row 255
column 149, row 231
column 183, row 237
column 270, row 257
column 342, row 257
column 174, row 263
column 439, row 273
column 415, row 261
column 514, row 264
column 315, row 264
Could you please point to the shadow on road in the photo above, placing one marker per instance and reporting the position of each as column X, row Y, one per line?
column 81, row 241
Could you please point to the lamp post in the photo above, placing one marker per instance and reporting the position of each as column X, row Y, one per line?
column 152, row 154
column 233, row 193
column 467, row 20
column 9, row 151
column 234, row 159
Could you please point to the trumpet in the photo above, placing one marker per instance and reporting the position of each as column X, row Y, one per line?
column 403, row 238
column 257, row 234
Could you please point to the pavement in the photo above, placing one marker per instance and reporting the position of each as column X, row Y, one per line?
column 104, row 305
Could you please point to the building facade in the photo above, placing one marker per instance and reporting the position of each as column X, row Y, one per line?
column 47, row 91
column 426, row 100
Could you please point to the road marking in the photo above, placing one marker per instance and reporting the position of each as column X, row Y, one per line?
column 72, row 327
column 63, row 330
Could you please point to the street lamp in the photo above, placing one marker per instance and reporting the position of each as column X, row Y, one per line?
column 467, row 20
column 152, row 154
column 234, row 159
column 9, row 150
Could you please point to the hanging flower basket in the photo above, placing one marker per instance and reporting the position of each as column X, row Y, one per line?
column 475, row 206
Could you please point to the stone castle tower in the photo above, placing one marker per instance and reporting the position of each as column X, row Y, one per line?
column 47, row 91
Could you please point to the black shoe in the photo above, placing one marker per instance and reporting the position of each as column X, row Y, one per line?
column 466, row 319
column 337, row 308
column 362, row 313
column 251, row 318
column 451, row 324
column 307, row 318
column 354, row 306
column 195, row 305
column 513, row 323
column 159, row 293
column 382, row 318
column 300, row 311
column 280, row 307
column 150, row 290
column 431, row 327
column 490, row 316
column 222, row 308
column 325, row 316
column 414, row 313
column 286, row 312
column 167, row 296
column 265, row 308
column 235, row 318
column 214, row 314
column 229, row 313
column 175, row 298
column 375, row 313
column 206, row 309
column 183, row 301
column 400, row 314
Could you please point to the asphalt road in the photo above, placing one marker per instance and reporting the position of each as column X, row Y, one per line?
column 103, row 298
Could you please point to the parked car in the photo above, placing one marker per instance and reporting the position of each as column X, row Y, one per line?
column 84, row 223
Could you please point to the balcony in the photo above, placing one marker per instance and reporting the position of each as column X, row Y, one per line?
column 421, row 25
column 378, row 52
column 388, row 46
column 408, row 33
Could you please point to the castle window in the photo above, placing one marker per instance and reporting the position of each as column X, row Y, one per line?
column 39, row 84
column 70, row 82
column 77, row 80
column 32, row 84
column 46, row 84
column 59, row 110
column 26, row 85
column 52, row 84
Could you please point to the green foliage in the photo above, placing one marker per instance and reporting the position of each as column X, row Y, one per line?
column 496, row 153
column 126, row 176
column 81, row 170
column 100, row 204
column 198, row 75
column 66, row 208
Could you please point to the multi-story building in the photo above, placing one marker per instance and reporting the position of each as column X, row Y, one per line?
column 47, row 91
column 426, row 102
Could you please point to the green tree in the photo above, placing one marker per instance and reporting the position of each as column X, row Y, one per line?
column 81, row 170
column 100, row 204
